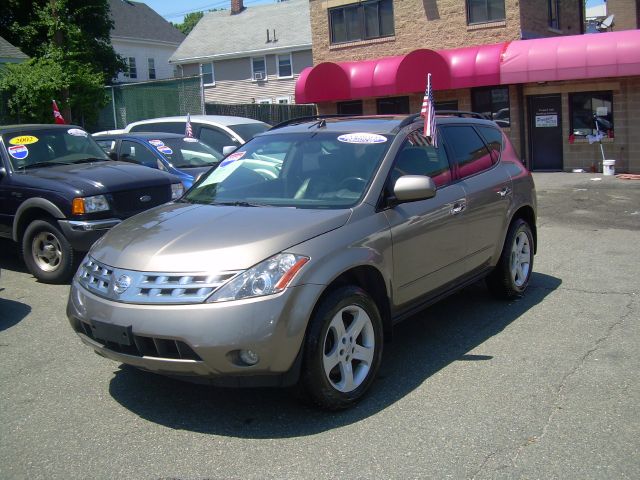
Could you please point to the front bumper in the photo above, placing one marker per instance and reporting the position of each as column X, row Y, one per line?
column 200, row 342
column 82, row 234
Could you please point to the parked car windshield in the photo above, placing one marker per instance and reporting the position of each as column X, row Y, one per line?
column 249, row 130
column 187, row 152
column 31, row 148
column 304, row 170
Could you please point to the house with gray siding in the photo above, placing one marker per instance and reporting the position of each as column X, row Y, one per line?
column 249, row 54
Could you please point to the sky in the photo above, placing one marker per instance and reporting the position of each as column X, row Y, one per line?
column 175, row 11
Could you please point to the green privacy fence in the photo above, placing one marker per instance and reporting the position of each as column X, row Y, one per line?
column 272, row 113
column 138, row 101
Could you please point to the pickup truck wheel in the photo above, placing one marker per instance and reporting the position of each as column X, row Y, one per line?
column 47, row 253
column 511, row 276
column 343, row 349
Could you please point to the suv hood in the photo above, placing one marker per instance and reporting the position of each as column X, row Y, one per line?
column 185, row 238
column 100, row 177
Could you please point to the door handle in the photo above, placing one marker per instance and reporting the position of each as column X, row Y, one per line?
column 458, row 207
column 504, row 191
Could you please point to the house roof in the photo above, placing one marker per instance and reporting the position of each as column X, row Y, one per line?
column 220, row 34
column 9, row 51
column 136, row 20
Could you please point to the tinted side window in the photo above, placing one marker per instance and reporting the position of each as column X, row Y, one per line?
column 167, row 127
column 417, row 157
column 493, row 138
column 107, row 145
column 137, row 153
column 469, row 152
column 215, row 138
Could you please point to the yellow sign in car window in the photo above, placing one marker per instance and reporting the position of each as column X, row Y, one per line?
column 23, row 140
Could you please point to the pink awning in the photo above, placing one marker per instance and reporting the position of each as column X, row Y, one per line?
column 598, row 55
column 476, row 66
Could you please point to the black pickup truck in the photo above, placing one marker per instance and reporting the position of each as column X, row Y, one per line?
column 59, row 192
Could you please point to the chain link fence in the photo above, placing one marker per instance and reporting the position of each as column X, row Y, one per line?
column 139, row 101
column 271, row 113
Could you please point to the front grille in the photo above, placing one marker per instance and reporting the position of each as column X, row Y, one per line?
column 143, row 346
column 128, row 203
column 148, row 287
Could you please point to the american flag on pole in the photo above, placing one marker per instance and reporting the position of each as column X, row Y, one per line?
column 428, row 112
column 57, row 116
column 188, row 130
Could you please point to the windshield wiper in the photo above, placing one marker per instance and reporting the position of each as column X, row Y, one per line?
column 89, row 160
column 43, row 164
column 238, row 203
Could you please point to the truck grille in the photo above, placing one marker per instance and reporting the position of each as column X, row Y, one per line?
column 131, row 286
column 128, row 203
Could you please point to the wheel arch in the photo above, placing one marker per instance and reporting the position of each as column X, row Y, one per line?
column 33, row 209
column 527, row 214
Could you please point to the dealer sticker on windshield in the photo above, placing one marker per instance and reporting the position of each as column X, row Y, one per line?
column 76, row 132
column 190, row 139
column 232, row 158
column 362, row 138
column 19, row 152
column 157, row 143
column 23, row 140
column 164, row 149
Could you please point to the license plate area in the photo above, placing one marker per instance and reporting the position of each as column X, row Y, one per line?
column 112, row 333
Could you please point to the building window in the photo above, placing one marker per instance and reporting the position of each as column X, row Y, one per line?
column 283, row 100
column 258, row 68
column 483, row 11
column 208, row 77
column 554, row 14
column 152, row 68
column 130, row 68
column 284, row 66
column 446, row 105
column 588, row 106
column 353, row 107
column 493, row 103
column 392, row 105
column 361, row 21
column 264, row 100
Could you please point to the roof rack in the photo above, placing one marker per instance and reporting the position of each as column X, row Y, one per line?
column 461, row 113
column 293, row 121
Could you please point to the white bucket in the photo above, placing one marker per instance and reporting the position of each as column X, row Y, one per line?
column 608, row 167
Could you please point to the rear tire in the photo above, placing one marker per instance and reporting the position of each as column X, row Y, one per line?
column 47, row 253
column 343, row 349
column 511, row 276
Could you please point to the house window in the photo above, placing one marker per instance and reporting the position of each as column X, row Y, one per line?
column 554, row 14
column 483, row 11
column 361, row 21
column 392, row 105
column 284, row 66
column 264, row 100
column 493, row 103
column 587, row 106
column 258, row 68
column 130, row 68
column 208, row 77
column 152, row 68
column 283, row 100
column 353, row 107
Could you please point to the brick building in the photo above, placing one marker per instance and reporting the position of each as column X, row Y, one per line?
column 526, row 64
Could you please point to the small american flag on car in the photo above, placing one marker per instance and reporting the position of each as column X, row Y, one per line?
column 428, row 112
column 188, row 129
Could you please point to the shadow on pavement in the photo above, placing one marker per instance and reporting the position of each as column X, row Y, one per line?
column 11, row 312
column 422, row 346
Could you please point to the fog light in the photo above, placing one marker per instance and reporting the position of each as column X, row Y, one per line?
column 249, row 357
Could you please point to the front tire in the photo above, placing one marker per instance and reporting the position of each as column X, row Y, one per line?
column 47, row 253
column 343, row 349
column 511, row 276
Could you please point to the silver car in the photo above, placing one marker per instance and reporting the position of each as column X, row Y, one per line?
column 291, row 262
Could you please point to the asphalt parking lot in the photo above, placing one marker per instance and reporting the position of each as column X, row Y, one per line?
column 542, row 387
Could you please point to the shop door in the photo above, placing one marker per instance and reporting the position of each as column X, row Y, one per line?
column 545, row 127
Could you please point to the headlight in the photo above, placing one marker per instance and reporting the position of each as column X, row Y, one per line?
column 177, row 189
column 82, row 205
column 268, row 277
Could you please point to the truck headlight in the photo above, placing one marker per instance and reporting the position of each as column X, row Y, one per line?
column 268, row 277
column 82, row 205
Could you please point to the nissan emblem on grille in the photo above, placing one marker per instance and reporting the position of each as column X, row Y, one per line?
column 121, row 284
column 145, row 198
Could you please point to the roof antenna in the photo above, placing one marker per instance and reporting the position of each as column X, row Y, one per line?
column 268, row 40
column 274, row 35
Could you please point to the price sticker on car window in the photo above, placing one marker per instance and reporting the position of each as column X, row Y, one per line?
column 23, row 140
column 366, row 138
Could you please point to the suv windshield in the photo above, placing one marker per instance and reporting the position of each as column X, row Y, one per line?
column 187, row 152
column 48, row 147
column 306, row 170
column 249, row 130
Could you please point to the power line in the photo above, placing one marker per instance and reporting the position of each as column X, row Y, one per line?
column 222, row 3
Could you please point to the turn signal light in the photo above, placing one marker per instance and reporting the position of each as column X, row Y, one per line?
column 77, row 207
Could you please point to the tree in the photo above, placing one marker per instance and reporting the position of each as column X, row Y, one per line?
column 189, row 21
column 72, row 58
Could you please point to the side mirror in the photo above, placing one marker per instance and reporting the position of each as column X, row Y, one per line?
column 228, row 149
column 411, row 188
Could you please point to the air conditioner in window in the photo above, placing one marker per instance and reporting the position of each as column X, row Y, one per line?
column 258, row 75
